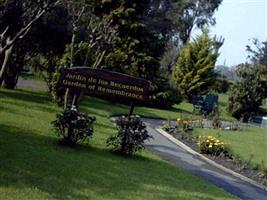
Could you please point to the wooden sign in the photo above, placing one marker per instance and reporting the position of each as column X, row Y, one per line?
column 105, row 84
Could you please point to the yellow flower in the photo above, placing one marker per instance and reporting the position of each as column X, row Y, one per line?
column 209, row 137
column 216, row 144
column 210, row 146
column 217, row 141
column 207, row 141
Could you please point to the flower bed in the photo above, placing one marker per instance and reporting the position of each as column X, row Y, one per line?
column 215, row 149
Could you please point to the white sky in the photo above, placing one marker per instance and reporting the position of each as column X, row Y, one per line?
column 238, row 21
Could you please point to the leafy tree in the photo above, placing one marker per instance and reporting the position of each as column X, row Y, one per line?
column 248, row 93
column 194, row 13
column 258, row 56
column 176, row 19
column 258, row 53
column 40, row 47
column 17, row 19
column 140, row 47
column 194, row 71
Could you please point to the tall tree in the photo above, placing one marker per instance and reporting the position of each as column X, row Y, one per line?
column 139, row 50
column 16, row 19
column 258, row 52
column 194, row 71
column 194, row 13
column 45, row 42
column 176, row 19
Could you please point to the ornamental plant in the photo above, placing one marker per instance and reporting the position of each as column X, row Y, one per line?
column 131, row 135
column 184, row 124
column 213, row 146
column 73, row 126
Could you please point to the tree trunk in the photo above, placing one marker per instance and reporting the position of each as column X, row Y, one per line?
column 14, row 67
column 11, row 79
column 74, row 32
column 5, row 64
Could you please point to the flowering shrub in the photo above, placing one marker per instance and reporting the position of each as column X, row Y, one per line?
column 73, row 126
column 131, row 135
column 185, row 124
column 211, row 145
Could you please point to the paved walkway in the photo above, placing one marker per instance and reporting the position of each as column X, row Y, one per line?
column 31, row 84
column 199, row 167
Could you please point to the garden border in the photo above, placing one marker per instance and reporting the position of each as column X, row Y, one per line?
column 191, row 151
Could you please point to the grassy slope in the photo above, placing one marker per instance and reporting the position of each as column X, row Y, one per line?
column 34, row 166
column 249, row 144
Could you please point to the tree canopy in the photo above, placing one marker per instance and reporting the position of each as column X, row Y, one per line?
column 127, row 36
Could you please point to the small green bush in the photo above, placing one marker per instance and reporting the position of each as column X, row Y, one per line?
column 131, row 135
column 73, row 126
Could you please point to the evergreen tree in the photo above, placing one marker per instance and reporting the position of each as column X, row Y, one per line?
column 139, row 50
column 194, row 71
column 247, row 94
column 140, row 46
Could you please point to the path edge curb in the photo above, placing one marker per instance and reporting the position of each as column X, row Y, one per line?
column 188, row 149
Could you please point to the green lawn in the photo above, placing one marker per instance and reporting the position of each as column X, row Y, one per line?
column 264, row 106
column 185, row 109
column 223, row 100
column 34, row 166
column 249, row 144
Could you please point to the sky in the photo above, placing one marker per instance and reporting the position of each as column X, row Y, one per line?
column 238, row 21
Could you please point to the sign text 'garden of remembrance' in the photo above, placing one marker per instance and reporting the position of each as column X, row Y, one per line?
column 104, row 83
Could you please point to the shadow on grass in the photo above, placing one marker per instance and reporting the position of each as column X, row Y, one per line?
column 115, row 109
column 107, row 106
column 29, row 160
column 40, row 101
column 26, row 95
column 150, row 113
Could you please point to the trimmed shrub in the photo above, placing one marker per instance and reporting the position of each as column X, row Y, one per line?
column 131, row 135
column 73, row 126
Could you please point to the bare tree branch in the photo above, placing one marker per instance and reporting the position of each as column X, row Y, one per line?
column 23, row 32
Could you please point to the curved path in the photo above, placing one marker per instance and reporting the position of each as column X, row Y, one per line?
column 199, row 167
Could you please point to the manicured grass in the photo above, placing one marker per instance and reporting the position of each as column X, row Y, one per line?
column 185, row 109
column 249, row 144
column 264, row 106
column 34, row 166
column 223, row 101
